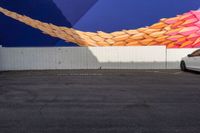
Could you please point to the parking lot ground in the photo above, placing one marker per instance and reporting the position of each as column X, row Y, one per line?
column 100, row 101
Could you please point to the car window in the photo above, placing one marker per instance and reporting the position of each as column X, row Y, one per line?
column 196, row 53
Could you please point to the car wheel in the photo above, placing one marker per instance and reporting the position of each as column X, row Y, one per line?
column 183, row 66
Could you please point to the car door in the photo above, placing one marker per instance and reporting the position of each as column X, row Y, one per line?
column 197, row 61
column 190, row 62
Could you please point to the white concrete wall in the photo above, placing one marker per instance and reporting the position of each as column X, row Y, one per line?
column 174, row 57
column 27, row 58
column 156, row 57
column 152, row 57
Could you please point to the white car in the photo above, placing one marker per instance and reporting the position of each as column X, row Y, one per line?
column 191, row 62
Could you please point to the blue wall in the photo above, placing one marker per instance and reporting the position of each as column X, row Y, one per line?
column 87, row 15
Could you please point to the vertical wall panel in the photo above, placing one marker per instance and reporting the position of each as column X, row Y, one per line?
column 148, row 57
column 27, row 58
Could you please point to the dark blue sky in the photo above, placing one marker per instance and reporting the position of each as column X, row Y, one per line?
column 87, row 15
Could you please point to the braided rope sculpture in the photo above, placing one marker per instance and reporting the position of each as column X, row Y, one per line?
column 182, row 31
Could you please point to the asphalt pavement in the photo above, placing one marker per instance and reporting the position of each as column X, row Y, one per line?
column 100, row 101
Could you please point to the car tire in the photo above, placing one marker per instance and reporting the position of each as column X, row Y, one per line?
column 183, row 66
